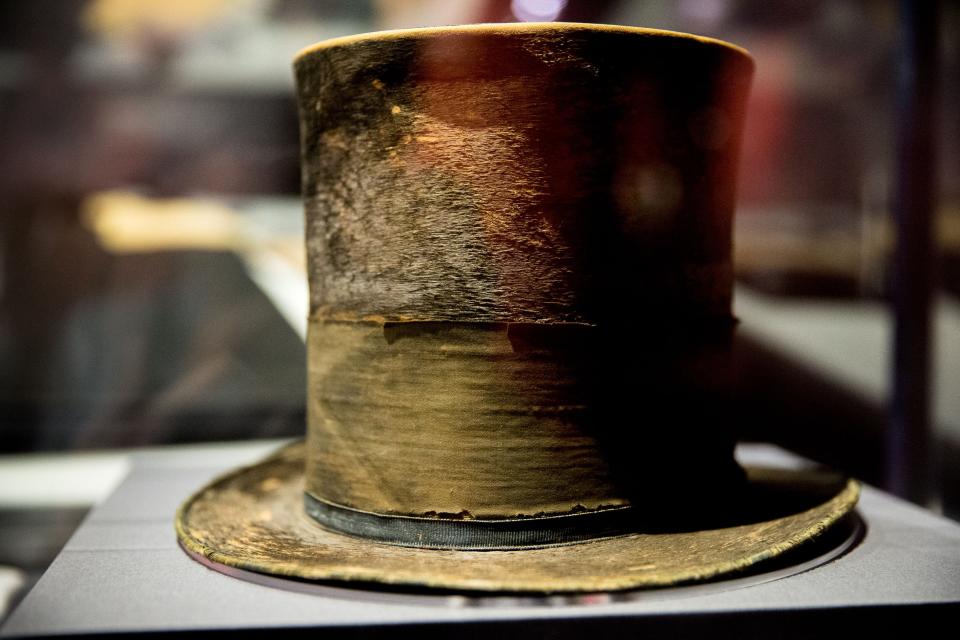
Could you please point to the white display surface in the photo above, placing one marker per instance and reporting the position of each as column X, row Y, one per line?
column 123, row 572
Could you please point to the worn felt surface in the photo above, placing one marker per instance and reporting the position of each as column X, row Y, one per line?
column 494, row 420
column 516, row 173
column 254, row 519
column 468, row 187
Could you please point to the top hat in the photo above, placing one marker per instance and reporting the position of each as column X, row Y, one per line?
column 519, row 259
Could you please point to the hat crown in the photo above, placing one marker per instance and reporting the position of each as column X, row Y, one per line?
column 519, row 259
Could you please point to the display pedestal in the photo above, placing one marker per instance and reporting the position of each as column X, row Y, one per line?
column 123, row 572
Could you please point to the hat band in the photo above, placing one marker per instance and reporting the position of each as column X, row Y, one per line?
column 467, row 535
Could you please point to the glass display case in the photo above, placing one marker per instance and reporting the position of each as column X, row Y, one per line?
column 152, row 269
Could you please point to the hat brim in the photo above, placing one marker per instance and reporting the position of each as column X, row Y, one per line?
column 253, row 519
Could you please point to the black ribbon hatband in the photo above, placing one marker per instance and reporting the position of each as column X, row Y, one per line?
column 471, row 534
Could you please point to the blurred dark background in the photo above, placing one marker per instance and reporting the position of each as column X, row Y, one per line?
column 151, row 287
